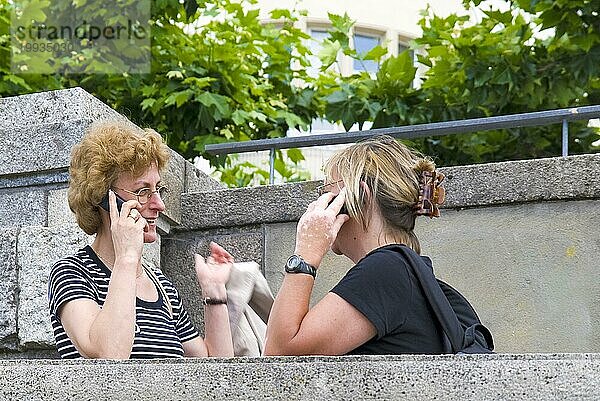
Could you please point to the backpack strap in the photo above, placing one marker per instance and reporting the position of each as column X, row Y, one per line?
column 437, row 300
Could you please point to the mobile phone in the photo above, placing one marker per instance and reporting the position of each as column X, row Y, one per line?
column 104, row 203
column 343, row 210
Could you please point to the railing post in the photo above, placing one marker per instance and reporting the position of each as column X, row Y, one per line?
column 565, row 138
column 271, row 166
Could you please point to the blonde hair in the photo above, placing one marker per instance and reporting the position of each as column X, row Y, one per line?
column 392, row 173
column 107, row 150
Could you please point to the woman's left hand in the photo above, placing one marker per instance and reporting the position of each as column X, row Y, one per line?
column 318, row 227
column 213, row 273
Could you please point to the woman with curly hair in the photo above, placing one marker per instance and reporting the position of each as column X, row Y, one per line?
column 106, row 301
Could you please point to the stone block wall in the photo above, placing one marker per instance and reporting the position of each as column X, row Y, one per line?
column 410, row 377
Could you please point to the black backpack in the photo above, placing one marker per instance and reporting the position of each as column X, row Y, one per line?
column 465, row 334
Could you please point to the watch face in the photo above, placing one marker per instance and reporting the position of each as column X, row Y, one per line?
column 293, row 262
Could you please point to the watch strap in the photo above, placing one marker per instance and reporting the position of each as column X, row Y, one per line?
column 301, row 267
column 213, row 301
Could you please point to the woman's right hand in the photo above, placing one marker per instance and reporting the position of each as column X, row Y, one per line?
column 318, row 227
column 127, row 232
column 213, row 273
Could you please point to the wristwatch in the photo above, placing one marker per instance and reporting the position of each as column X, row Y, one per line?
column 295, row 264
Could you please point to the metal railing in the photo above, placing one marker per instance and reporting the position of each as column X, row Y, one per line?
column 415, row 131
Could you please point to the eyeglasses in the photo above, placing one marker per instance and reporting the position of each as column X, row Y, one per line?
column 321, row 189
column 143, row 195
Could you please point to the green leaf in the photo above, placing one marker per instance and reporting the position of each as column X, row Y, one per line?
column 211, row 99
column 295, row 155
column 256, row 115
column 281, row 13
column 329, row 53
column 502, row 77
column 179, row 98
column 240, row 117
column 482, row 78
column 397, row 70
column 226, row 133
column 280, row 167
column 341, row 23
column 147, row 103
column 438, row 51
column 291, row 119
column 505, row 17
column 375, row 53
column 339, row 96
column 16, row 80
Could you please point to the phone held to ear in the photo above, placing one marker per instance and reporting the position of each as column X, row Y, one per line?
column 343, row 210
column 104, row 203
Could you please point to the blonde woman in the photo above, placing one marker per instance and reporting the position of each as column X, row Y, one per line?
column 380, row 186
column 105, row 302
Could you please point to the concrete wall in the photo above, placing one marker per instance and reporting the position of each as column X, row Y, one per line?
column 444, row 378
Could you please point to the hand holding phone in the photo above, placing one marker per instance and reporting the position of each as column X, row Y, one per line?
column 104, row 203
column 343, row 210
column 125, row 228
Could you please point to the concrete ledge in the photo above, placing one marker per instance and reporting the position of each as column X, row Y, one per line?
column 42, row 128
column 558, row 178
column 52, row 107
column 244, row 206
column 447, row 377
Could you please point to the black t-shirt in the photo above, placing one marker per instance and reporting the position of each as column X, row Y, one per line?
column 383, row 288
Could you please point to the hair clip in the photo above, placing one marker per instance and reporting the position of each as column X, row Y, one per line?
column 430, row 194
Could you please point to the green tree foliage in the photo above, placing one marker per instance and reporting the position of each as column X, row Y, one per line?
column 242, row 174
column 495, row 67
column 217, row 75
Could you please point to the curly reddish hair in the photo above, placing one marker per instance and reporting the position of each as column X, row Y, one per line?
column 107, row 150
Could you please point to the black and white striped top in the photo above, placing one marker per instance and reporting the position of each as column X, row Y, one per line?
column 84, row 276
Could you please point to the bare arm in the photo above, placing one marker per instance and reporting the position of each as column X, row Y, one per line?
column 212, row 275
column 195, row 348
column 108, row 332
column 333, row 326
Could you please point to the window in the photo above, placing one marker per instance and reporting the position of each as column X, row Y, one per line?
column 317, row 36
column 363, row 44
column 402, row 47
